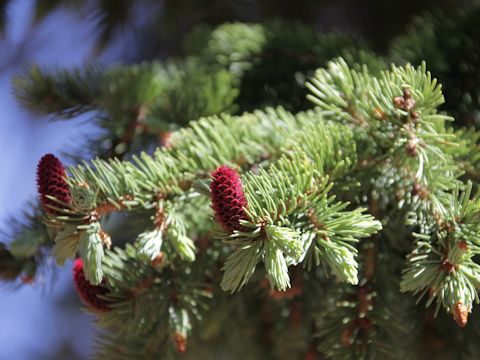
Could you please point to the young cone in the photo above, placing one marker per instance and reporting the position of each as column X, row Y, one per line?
column 228, row 198
column 88, row 292
column 51, row 182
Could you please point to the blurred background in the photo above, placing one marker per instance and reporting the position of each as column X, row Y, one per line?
column 43, row 320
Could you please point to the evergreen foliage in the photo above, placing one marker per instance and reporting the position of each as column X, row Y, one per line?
column 448, row 43
column 354, row 203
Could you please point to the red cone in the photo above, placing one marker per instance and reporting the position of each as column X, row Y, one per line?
column 228, row 198
column 88, row 292
column 51, row 181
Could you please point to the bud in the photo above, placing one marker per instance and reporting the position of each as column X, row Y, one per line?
column 83, row 198
column 460, row 314
column 180, row 342
column 411, row 148
column 399, row 102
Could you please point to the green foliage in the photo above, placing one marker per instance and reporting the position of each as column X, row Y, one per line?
column 274, row 59
column 372, row 175
column 23, row 247
column 335, row 232
column 26, row 244
column 90, row 248
column 441, row 265
column 195, row 151
column 178, row 238
column 291, row 194
column 234, row 67
column 149, row 243
column 448, row 43
column 147, row 300
column 83, row 198
column 240, row 266
column 66, row 245
column 60, row 92
column 379, row 112
column 193, row 92
column 130, row 101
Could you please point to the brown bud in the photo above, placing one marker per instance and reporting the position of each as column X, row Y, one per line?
column 411, row 148
column 463, row 245
column 438, row 218
column 416, row 189
column 450, row 227
column 420, row 191
column 460, row 314
column 399, row 102
column 180, row 342
column 379, row 114
column 407, row 94
column 448, row 266
column 409, row 104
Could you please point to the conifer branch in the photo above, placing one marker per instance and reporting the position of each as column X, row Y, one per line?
column 288, row 190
